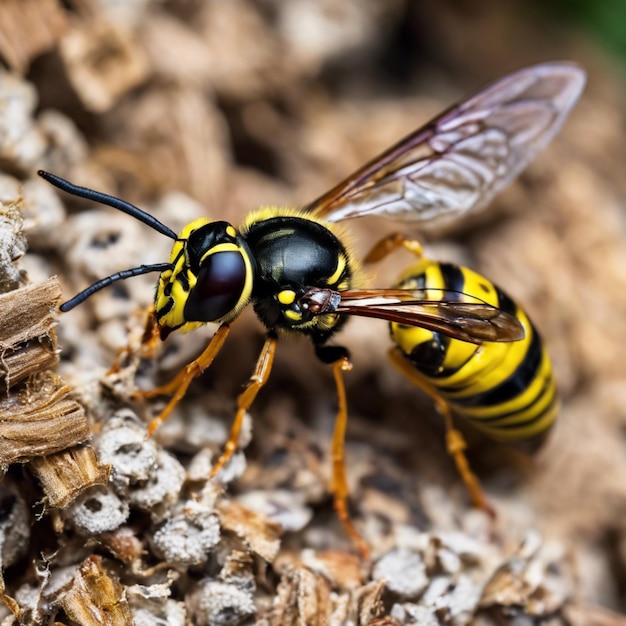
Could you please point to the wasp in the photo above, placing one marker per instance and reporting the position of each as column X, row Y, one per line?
column 294, row 267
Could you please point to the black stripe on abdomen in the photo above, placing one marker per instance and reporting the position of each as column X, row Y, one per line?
column 453, row 278
column 514, row 385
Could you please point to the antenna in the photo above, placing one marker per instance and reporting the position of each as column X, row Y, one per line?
column 105, row 282
column 112, row 201
column 120, row 205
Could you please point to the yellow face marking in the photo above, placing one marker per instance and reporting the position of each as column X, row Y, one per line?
column 294, row 316
column 222, row 247
column 231, row 232
column 169, row 290
column 286, row 296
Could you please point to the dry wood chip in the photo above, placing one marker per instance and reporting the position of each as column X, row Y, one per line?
column 34, row 357
column 367, row 602
column 522, row 581
column 103, row 63
column 302, row 598
column 64, row 476
column 28, row 313
column 123, row 544
column 383, row 621
column 245, row 57
column 342, row 569
column 151, row 604
column 40, row 420
column 584, row 615
column 28, row 28
column 96, row 598
column 238, row 567
column 507, row 586
column 260, row 535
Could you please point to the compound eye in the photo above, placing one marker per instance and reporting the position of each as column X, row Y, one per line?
column 220, row 284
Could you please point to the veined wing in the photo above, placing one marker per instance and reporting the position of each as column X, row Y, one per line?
column 457, row 315
column 460, row 160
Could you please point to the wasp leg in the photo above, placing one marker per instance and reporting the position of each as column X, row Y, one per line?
column 245, row 400
column 339, row 482
column 455, row 443
column 390, row 243
column 340, row 361
column 179, row 384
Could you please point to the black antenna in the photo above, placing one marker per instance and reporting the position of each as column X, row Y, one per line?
column 105, row 282
column 112, row 201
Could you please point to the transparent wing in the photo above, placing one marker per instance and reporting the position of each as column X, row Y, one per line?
column 457, row 315
column 460, row 160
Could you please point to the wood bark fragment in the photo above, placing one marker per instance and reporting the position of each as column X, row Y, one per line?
column 28, row 312
column 33, row 357
column 28, row 28
column 302, row 598
column 103, row 63
column 585, row 614
column 96, row 597
column 27, row 337
column 64, row 476
column 259, row 534
column 40, row 420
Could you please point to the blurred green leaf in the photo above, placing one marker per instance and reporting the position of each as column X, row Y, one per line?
column 604, row 20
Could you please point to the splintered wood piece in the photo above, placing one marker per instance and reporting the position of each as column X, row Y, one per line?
column 40, row 420
column 342, row 569
column 584, row 614
column 34, row 357
column 28, row 312
column 302, row 598
column 307, row 597
column 27, row 338
column 64, row 476
column 96, row 597
column 103, row 62
column 29, row 28
column 260, row 535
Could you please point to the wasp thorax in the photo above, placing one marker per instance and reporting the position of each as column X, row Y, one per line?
column 210, row 280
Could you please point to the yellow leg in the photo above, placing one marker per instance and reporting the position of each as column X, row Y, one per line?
column 455, row 443
column 339, row 481
column 245, row 400
column 178, row 386
column 390, row 243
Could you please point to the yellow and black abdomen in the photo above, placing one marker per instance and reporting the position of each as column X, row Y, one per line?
column 506, row 389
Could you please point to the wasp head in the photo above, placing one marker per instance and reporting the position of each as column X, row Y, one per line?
column 209, row 279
